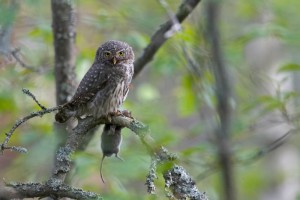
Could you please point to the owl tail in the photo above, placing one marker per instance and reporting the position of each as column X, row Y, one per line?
column 63, row 114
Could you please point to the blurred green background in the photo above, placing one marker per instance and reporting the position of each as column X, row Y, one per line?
column 260, row 41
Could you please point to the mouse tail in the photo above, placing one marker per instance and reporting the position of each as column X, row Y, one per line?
column 101, row 169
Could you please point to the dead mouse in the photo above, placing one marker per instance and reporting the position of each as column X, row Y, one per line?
column 111, row 140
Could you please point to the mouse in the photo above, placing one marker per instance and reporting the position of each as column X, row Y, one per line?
column 111, row 140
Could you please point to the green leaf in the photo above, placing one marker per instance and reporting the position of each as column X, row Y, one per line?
column 289, row 67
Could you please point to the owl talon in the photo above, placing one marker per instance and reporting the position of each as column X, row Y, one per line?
column 127, row 113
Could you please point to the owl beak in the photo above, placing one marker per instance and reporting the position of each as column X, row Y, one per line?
column 114, row 60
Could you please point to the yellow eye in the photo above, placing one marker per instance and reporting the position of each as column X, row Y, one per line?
column 121, row 53
column 106, row 53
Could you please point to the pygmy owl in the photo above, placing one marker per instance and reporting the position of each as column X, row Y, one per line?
column 105, row 86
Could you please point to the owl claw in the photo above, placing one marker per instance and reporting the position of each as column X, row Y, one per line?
column 113, row 114
column 123, row 113
column 127, row 113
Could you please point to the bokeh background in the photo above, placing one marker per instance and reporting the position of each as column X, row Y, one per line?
column 260, row 41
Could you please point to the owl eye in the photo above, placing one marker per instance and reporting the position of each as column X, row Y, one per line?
column 121, row 53
column 107, row 53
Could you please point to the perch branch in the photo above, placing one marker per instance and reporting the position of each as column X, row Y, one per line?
column 159, row 37
column 63, row 155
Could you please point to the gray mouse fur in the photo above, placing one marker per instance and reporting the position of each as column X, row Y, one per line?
column 111, row 140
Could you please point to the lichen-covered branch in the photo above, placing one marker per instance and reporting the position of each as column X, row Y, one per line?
column 159, row 157
column 181, row 185
column 51, row 189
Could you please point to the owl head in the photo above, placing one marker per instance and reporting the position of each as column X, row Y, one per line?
column 114, row 53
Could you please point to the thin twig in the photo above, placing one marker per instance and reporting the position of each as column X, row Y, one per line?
column 15, row 53
column 40, row 113
column 26, row 91
column 21, row 121
column 269, row 148
column 213, row 168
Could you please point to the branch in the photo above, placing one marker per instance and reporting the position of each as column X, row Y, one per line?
column 159, row 158
column 15, row 54
column 214, row 167
column 19, row 122
column 62, row 159
column 63, row 26
column 64, row 35
column 50, row 189
column 223, row 95
column 181, row 185
column 159, row 154
column 160, row 36
column 27, row 92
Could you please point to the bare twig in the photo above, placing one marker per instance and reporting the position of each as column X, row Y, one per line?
column 214, row 167
column 40, row 113
column 21, row 121
column 26, row 91
column 159, row 37
column 269, row 148
column 15, row 53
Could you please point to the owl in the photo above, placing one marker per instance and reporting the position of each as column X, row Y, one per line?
column 104, row 87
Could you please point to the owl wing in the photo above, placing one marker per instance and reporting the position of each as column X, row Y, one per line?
column 93, row 81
